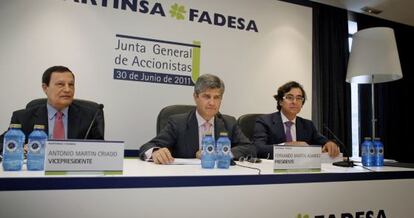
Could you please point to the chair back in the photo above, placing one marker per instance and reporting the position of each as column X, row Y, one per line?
column 167, row 111
column 246, row 123
column 100, row 118
column 43, row 101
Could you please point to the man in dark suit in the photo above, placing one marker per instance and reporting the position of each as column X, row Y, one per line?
column 285, row 127
column 181, row 137
column 58, row 83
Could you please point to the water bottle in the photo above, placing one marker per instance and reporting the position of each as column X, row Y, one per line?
column 13, row 152
column 36, row 148
column 224, row 155
column 367, row 152
column 208, row 153
column 379, row 152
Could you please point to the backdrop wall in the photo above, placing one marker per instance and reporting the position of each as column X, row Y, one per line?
column 136, row 57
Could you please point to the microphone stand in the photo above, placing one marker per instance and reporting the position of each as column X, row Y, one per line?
column 347, row 162
column 100, row 107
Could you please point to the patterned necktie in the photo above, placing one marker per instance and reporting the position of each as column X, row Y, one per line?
column 207, row 128
column 288, row 133
column 59, row 130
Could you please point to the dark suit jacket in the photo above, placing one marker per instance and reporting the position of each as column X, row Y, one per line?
column 79, row 119
column 269, row 130
column 180, row 136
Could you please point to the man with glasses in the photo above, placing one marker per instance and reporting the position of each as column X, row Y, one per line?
column 285, row 127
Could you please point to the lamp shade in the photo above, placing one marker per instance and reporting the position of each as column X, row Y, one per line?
column 374, row 57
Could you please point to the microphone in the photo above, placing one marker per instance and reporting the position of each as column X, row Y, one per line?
column 100, row 107
column 249, row 159
column 347, row 162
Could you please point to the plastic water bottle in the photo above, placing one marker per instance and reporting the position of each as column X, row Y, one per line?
column 379, row 152
column 208, row 153
column 367, row 152
column 223, row 151
column 13, row 153
column 36, row 148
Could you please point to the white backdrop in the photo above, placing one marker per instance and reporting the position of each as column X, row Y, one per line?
column 38, row 34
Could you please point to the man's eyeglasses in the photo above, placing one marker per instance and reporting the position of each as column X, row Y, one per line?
column 291, row 98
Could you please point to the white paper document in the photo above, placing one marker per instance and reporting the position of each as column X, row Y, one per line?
column 325, row 158
column 183, row 161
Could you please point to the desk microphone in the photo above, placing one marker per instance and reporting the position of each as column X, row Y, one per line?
column 250, row 160
column 100, row 107
column 347, row 162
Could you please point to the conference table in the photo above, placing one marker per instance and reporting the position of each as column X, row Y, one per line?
column 145, row 189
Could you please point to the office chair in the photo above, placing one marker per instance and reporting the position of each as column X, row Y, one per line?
column 167, row 111
column 42, row 101
column 246, row 123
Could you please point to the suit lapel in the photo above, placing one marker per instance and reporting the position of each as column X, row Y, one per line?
column 299, row 130
column 219, row 126
column 192, row 133
column 278, row 125
column 73, row 122
column 40, row 117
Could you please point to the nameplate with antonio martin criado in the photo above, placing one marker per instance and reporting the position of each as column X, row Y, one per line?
column 84, row 155
column 289, row 158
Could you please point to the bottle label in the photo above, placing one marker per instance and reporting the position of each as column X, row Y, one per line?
column 371, row 151
column 11, row 146
column 35, row 146
column 226, row 150
column 209, row 149
column 380, row 151
column 367, row 150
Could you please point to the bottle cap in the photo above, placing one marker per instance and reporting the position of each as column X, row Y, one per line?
column 367, row 138
column 377, row 138
column 36, row 126
column 223, row 134
column 16, row 125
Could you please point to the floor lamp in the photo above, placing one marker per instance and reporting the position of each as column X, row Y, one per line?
column 373, row 59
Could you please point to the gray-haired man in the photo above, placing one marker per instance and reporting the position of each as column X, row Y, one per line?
column 181, row 137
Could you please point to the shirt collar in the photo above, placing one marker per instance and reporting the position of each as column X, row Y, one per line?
column 201, row 120
column 285, row 119
column 51, row 111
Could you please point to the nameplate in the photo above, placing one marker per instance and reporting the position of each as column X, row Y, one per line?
column 84, row 155
column 296, row 159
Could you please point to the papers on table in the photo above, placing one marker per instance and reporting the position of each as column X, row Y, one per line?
column 182, row 161
column 325, row 158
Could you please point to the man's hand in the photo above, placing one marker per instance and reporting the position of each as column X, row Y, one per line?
column 162, row 156
column 331, row 148
column 198, row 154
column 25, row 148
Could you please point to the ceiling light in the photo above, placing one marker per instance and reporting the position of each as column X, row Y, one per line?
column 370, row 10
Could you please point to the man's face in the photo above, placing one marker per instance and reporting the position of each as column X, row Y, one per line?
column 292, row 102
column 60, row 90
column 208, row 102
